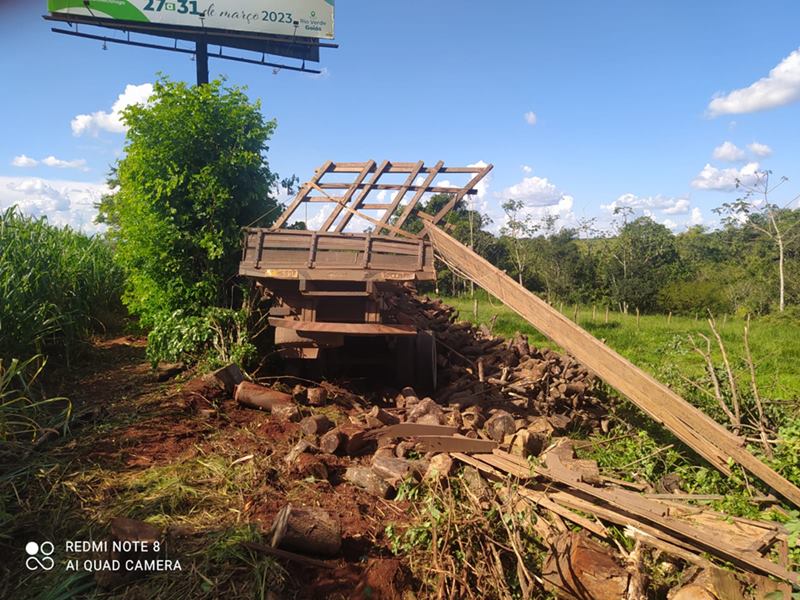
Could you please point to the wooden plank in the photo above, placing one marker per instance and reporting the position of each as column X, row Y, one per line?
column 454, row 443
column 345, row 328
column 437, row 189
column 411, row 429
column 696, row 429
column 543, row 500
column 326, row 226
column 292, row 272
column 301, row 195
column 480, row 465
column 458, row 196
column 648, row 510
column 375, row 221
column 412, row 175
column 499, row 461
column 434, row 171
column 365, row 190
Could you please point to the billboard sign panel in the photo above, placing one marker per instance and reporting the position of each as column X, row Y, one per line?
column 302, row 18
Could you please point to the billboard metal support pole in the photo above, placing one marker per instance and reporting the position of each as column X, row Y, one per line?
column 201, row 58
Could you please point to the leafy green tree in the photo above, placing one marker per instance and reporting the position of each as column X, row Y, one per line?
column 755, row 211
column 641, row 259
column 193, row 173
column 519, row 228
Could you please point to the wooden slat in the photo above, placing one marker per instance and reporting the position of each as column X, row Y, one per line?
column 697, row 430
column 411, row 429
column 650, row 511
column 326, row 226
column 434, row 171
column 345, row 328
column 365, row 190
column 397, row 186
column 412, row 175
column 375, row 221
column 454, row 443
column 281, row 221
column 457, row 197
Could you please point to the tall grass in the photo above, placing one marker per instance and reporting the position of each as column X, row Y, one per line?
column 56, row 286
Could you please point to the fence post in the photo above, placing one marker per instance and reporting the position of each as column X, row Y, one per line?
column 606, row 315
column 475, row 308
column 637, row 317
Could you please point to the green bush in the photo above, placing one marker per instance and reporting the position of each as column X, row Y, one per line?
column 56, row 286
column 193, row 174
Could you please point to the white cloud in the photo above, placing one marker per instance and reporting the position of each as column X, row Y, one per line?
column 667, row 205
column 24, row 161
column 527, row 169
column 761, row 150
column 530, row 117
column 780, row 87
column 540, row 197
column 52, row 161
column 62, row 202
column 697, row 217
column 99, row 121
column 729, row 152
column 724, row 180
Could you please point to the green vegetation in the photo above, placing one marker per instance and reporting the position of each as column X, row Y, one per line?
column 192, row 176
column 660, row 343
column 749, row 266
column 56, row 287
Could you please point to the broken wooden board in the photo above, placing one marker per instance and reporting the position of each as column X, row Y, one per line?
column 694, row 428
column 453, row 443
column 656, row 514
column 410, row 430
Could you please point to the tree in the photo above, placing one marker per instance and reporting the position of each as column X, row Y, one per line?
column 642, row 258
column 193, row 173
column 754, row 210
column 518, row 230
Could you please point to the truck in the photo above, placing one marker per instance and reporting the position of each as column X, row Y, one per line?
column 328, row 284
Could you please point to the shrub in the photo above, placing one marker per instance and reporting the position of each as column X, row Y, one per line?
column 193, row 174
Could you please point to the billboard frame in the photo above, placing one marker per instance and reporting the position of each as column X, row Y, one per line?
column 305, row 49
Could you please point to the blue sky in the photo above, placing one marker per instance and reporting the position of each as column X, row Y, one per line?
column 581, row 106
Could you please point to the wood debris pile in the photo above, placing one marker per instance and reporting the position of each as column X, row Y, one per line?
column 490, row 372
column 502, row 411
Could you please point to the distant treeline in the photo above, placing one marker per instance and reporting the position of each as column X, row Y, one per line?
column 640, row 263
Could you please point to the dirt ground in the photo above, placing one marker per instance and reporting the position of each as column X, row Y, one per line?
column 130, row 429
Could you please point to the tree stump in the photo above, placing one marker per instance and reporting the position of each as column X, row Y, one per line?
column 306, row 529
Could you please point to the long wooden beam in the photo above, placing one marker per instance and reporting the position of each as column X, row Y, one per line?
column 693, row 427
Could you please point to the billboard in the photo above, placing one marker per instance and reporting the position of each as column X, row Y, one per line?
column 302, row 18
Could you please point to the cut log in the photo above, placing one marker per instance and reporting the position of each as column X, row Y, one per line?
column 578, row 568
column 316, row 425
column 258, row 396
column 332, row 441
column 499, row 425
column 383, row 417
column 393, row 470
column 369, row 480
column 306, row 529
column 229, row 377
column 317, row 396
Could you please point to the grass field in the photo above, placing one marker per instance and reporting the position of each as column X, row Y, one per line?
column 661, row 345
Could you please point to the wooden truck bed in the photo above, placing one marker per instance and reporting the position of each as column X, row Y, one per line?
column 311, row 255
